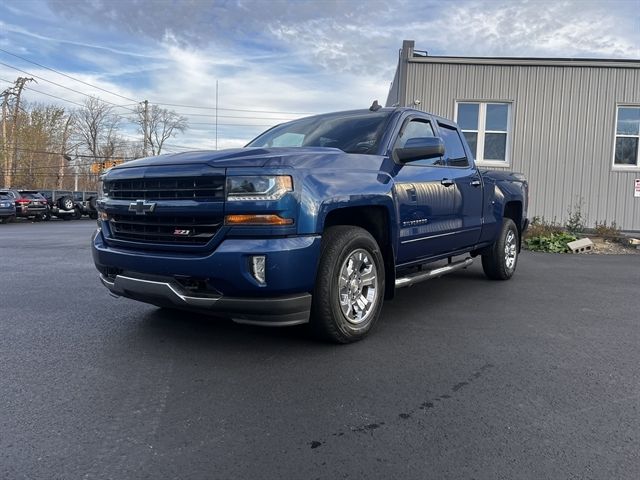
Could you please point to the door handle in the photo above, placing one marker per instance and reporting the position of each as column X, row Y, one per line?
column 475, row 183
column 447, row 182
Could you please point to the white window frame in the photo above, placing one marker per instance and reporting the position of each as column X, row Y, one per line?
column 617, row 166
column 482, row 119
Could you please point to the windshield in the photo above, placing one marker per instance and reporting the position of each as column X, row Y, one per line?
column 351, row 132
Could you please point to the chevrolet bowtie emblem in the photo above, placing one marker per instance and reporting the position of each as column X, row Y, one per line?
column 141, row 207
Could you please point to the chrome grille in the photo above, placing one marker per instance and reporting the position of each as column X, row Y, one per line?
column 205, row 187
column 186, row 230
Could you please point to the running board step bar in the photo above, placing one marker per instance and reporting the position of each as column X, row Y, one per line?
column 436, row 272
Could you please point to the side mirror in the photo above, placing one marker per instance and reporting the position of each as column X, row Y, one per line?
column 420, row 148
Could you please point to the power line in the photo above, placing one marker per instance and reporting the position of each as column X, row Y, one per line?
column 129, row 98
column 46, row 152
column 231, row 109
column 65, row 75
column 47, row 94
column 59, row 85
column 187, row 114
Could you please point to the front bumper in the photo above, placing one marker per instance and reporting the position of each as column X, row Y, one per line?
column 224, row 281
column 277, row 311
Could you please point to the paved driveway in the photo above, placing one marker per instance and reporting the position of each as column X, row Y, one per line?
column 463, row 378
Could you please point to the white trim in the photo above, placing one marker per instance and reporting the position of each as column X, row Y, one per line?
column 552, row 62
column 620, row 167
column 481, row 130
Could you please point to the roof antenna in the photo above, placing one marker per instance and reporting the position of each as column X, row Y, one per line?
column 375, row 106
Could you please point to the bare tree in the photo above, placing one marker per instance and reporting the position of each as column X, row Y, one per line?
column 97, row 126
column 158, row 124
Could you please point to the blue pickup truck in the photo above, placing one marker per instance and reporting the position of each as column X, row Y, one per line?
column 315, row 221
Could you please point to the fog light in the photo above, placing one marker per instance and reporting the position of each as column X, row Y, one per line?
column 103, row 216
column 258, row 267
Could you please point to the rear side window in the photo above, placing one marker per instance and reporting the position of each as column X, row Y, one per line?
column 453, row 148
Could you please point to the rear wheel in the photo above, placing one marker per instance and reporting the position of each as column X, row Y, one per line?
column 500, row 261
column 349, row 289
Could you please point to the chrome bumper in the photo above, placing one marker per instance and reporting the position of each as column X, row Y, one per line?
column 277, row 311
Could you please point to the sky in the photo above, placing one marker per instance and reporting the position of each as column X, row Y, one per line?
column 276, row 60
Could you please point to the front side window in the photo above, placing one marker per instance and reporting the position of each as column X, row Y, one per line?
column 418, row 129
column 485, row 126
column 627, row 150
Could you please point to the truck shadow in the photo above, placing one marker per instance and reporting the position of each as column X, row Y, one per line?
column 428, row 299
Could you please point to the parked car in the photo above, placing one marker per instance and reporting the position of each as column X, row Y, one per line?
column 317, row 222
column 62, row 204
column 86, row 202
column 7, row 208
column 28, row 203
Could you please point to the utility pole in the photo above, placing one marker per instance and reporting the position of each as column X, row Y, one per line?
column 75, row 171
column 63, row 152
column 145, row 127
column 20, row 82
column 5, row 152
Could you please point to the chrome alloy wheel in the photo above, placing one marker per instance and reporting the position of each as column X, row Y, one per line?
column 358, row 286
column 510, row 250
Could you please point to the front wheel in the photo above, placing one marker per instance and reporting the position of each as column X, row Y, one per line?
column 349, row 290
column 499, row 262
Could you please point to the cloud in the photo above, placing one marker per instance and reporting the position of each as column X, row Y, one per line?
column 283, row 56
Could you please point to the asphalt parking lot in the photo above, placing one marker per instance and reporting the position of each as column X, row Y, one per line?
column 463, row 378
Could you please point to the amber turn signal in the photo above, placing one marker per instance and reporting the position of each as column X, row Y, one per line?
column 257, row 220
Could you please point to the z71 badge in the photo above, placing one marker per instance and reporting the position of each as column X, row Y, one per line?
column 182, row 232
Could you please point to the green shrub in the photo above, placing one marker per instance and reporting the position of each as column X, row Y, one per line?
column 576, row 220
column 539, row 227
column 552, row 242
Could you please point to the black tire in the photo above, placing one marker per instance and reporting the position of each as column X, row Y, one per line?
column 46, row 216
column 93, row 203
column 77, row 214
column 341, row 246
column 499, row 262
column 93, row 215
column 66, row 217
column 66, row 203
column 11, row 219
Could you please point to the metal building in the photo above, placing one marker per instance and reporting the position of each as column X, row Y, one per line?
column 571, row 125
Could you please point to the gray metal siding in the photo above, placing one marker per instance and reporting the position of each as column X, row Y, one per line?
column 563, row 122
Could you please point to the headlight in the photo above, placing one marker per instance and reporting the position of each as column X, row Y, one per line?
column 258, row 187
column 103, row 189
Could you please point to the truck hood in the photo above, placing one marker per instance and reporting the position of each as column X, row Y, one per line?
column 237, row 157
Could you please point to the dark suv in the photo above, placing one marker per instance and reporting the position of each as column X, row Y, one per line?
column 86, row 202
column 29, row 203
column 7, row 209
